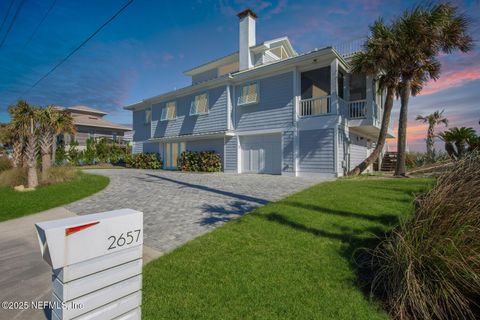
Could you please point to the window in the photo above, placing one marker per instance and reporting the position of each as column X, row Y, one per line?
column 358, row 87
column 248, row 94
column 148, row 116
column 341, row 83
column 169, row 112
column 199, row 104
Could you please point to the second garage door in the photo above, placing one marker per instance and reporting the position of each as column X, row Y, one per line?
column 261, row 153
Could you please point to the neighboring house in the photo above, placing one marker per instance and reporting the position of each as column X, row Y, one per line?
column 90, row 123
column 266, row 109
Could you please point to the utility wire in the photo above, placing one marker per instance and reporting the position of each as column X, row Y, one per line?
column 39, row 25
column 80, row 46
column 19, row 8
column 6, row 14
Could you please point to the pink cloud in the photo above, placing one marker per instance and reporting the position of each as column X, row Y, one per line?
column 167, row 57
column 451, row 79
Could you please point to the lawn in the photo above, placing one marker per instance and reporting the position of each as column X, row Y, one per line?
column 290, row 259
column 14, row 204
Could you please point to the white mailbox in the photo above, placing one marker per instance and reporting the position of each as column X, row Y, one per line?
column 96, row 261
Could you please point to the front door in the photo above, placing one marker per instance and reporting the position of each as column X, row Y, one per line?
column 172, row 152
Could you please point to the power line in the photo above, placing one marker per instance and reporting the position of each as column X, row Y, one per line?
column 38, row 25
column 7, row 14
column 19, row 8
column 80, row 46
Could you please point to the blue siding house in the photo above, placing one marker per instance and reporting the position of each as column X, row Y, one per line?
column 266, row 109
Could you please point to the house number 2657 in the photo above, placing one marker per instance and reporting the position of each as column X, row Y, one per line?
column 124, row 239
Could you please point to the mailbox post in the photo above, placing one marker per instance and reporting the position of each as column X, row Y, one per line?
column 96, row 262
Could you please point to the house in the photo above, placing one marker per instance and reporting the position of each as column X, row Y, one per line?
column 266, row 109
column 90, row 123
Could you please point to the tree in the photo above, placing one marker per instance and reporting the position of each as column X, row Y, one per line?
column 379, row 58
column 423, row 33
column 433, row 120
column 456, row 141
column 23, row 126
column 47, row 119
column 64, row 125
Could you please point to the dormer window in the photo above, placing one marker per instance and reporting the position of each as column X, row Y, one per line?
column 199, row 104
column 169, row 112
column 248, row 94
column 279, row 52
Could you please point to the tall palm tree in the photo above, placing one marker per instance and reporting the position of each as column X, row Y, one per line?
column 64, row 125
column 24, row 126
column 456, row 141
column 424, row 33
column 47, row 119
column 379, row 58
column 433, row 120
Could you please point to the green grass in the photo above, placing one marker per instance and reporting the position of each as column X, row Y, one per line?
column 14, row 204
column 291, row 259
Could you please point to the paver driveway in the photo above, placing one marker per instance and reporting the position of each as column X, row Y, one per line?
column 179, row 206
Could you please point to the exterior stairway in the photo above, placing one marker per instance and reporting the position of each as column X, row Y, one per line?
column 389, row 161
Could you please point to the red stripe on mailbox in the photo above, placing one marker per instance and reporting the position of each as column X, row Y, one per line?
column 71, row 230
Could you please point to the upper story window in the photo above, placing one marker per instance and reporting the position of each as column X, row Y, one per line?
column 358, row 87
column 169, row 112
column 199, row 104
column 248, row 94
column 148, row 116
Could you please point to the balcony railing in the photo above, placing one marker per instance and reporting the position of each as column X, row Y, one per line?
column 315, row 106
column 357, row 109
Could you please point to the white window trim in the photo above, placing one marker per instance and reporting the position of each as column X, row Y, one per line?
column 149, row 118
column 257, row 95
column 165, row 108
column 196, row 107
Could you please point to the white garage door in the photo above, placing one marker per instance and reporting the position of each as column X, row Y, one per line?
column 261, row 153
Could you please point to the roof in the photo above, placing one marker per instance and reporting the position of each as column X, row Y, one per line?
column 86, row 109
column 233, row 57
column 240, row 75
column 93, row 121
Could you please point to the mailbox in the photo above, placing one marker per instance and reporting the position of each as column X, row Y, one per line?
column 96, row 262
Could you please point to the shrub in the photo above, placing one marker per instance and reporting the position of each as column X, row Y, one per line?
column 74, row 155
column 5, row 164
column 204, row 161
column 143, row 161
column 60, row 154
column 419, row 159
column 429, row 267
column 60, row 174
column 14, row 177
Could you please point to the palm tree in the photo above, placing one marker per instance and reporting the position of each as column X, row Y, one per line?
column 47, row 119
column 64, row 125
column 379, row 58
column 424, row 33
column 24, row 125
column 433, row 120
column 456, row 141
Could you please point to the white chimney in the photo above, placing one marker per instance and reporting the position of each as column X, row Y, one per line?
column 247, row 38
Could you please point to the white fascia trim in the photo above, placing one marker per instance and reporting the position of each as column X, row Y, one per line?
column 257, row 132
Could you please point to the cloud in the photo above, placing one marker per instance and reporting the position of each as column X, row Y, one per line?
column 167, row 57
column 451, row 80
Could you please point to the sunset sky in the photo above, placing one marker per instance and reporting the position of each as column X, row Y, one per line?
column 144, row 51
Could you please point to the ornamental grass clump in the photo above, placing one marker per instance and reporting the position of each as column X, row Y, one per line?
column 429, row 267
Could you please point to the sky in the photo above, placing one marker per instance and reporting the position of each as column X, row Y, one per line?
column 145, row 50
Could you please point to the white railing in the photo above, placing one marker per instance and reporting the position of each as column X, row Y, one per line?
column 357, row 109
column 342, row 107
column 315, row 106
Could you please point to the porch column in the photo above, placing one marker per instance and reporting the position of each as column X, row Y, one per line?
column 334, row 86
column 370, row 94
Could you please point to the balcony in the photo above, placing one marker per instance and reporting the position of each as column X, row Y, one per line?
column 362, row 115
column 315, row 107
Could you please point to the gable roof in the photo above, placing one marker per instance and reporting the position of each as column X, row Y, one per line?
column 93, row 121
column 86, row 110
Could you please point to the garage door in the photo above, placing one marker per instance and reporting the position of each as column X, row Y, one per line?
column 261, row 154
